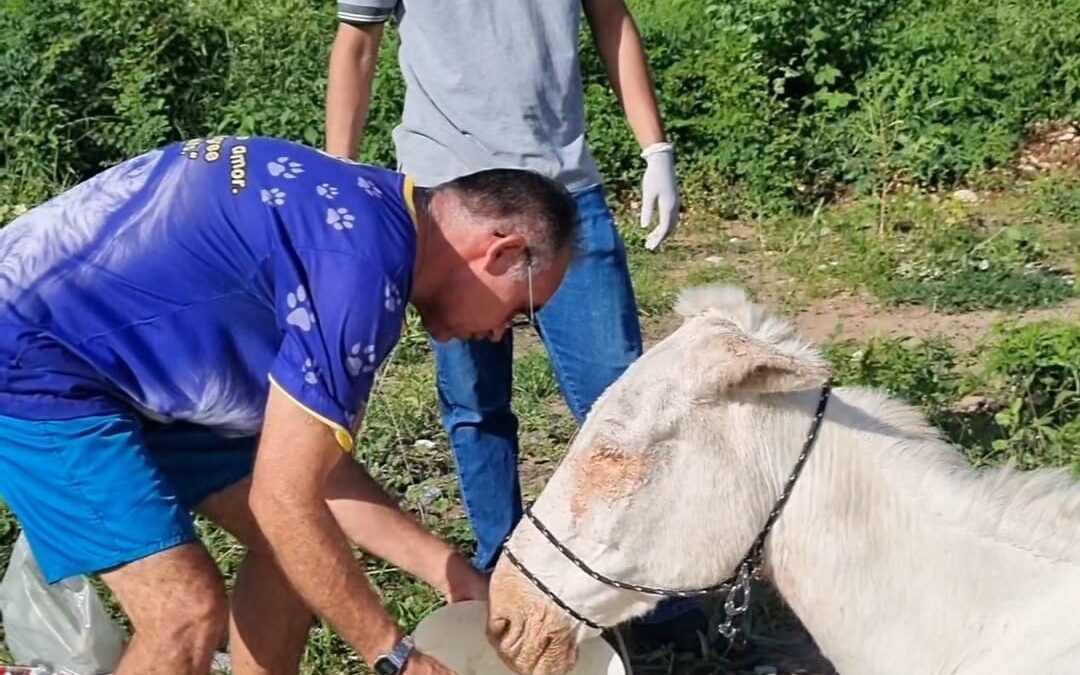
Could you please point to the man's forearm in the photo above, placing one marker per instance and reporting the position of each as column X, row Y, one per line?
column 348, row 88
column 366, row 513
column 297, row 454
column 315, row 556
column 623, row 53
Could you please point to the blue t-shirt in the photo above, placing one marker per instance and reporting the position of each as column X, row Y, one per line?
column 184, row 282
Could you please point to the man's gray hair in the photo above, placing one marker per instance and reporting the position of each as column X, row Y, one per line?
column 525, row 203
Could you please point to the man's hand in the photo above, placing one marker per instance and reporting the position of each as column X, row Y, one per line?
column 660, row 184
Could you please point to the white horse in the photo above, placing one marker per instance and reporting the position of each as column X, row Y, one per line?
column 896, row 555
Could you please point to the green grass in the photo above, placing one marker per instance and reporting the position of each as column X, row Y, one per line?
column 1057, row 198
column 922, row 250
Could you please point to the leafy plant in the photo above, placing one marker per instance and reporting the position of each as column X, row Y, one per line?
column 921, row 373
column 1040, row 366
column 1057, row 198
column 772, row 104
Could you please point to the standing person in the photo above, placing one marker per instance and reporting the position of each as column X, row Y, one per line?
column 498, row 84
column 198, row 329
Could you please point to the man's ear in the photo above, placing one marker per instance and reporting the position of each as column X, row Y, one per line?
column 503, row 253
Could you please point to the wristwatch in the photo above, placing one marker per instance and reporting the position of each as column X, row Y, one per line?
column 394, row 662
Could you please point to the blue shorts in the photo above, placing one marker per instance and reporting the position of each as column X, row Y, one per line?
column 94, row 493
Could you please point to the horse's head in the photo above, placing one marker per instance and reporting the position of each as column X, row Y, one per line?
column 667, row 482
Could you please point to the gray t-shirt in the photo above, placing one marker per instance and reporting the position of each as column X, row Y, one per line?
column 489, row 83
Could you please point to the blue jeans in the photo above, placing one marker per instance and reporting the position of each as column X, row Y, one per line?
column 591, row 330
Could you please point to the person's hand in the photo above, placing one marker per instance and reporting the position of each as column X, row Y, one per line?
column 422, row 664
column 660, row 184
column 464, row 582
column 473, row 587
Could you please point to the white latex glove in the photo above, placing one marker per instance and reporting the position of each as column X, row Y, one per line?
column 660, row 184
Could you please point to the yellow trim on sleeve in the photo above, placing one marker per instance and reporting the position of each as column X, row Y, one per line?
column 407, row 193
column 341, row 434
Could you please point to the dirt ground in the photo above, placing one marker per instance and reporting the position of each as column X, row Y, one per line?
column 843, row 318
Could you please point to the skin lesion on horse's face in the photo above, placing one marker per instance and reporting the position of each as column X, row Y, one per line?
column 606, row 471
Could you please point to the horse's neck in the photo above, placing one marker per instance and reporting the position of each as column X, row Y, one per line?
column 879, row 578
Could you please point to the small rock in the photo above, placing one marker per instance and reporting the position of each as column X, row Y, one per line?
column 966, row 196
column 972, row 403
column 714, row 260
column 424, row 444
column 429, row 493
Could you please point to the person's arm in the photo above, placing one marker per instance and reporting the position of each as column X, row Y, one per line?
column 295, row 459
column 338, row 325
column 366, row 513
column 348, row 87
column 623, row 54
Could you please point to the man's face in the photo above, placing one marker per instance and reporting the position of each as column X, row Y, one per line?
column 481, row 294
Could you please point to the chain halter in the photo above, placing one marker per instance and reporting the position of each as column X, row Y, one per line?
column 736, row 588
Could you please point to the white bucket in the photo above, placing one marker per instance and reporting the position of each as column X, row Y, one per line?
column 454, row 634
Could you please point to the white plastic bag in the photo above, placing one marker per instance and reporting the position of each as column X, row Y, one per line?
column 63, row 627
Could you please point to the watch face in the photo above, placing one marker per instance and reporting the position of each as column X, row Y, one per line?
column 384, row 666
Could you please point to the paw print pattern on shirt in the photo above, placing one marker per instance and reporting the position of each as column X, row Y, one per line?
column 340, row 218
column 311, row 372
column 327, row 190
column 391, row 298
column 284, row 167
column 272, row 196
column 360, row 359
column 300, row 316
column 368, row 187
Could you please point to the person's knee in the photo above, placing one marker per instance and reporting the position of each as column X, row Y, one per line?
column 202, row 617
column 176, row 600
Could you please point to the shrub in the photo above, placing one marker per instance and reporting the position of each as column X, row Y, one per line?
column 924, row 374
column 772, row 104
column 1040, row 367
column 84, row 85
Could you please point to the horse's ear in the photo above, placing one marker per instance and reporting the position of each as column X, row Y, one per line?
column 730, row 301
column 728, row 361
